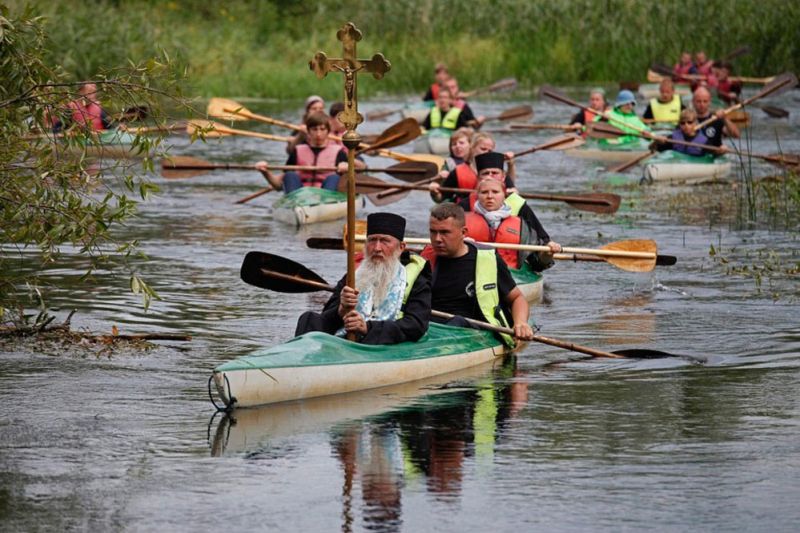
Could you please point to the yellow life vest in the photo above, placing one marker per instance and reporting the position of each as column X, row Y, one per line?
column 487, row 293
column 669, row 112
column 413, row 269
column 515, row 202
column 448, row 122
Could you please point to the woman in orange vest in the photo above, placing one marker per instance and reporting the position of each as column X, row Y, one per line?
column 495, row 216
column 465, row 175
column 317, row 151
column 597, row 104
column 441, row 74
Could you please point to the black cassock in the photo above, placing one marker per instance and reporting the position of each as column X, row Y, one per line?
column 413, row 325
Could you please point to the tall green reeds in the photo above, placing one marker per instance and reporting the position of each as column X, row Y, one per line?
column 261, row 47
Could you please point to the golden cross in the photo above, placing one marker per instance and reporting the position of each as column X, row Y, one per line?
column 350, row 66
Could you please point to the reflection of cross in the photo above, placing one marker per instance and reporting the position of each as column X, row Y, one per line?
column 349, row 65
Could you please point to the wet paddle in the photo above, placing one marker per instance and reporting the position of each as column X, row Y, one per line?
column 506, row 84
column 562, row 142
column 564, row 127
column 519, row 112
column 604, row 130
column 280, row 274
column 779, row 84
column 212, row 130
column 603, row 203
column 333, row 243
column 176, row 167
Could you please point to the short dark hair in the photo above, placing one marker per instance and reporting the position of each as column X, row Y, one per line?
column 447, row 210
column 317, row 119
column 336, row 108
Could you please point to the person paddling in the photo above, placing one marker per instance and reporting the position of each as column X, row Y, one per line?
column 728, row 91
column 320, row 151
column 686, row 132
column 465, row 175
column 493, row 215
column 458, row 101
column 683, row 67
column 597, row 106
column 444, row 115
column 472, row 283
column 85, row 111
column 441, row 74
column 702, row 63
column 313, row 104
column 667, row 107
column 459, row 150
column 624, row 118
column 701, row 100
column 391, row 301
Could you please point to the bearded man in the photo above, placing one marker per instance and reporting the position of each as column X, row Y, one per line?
column 391, row 302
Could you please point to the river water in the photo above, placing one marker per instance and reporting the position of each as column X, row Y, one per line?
column 547, row 440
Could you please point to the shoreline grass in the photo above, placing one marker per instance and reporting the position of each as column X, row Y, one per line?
column 261, row 48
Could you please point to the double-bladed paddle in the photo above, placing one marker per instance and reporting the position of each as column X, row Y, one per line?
column 177, row 167
column 605, row 130
column 333, row 243
column 280, row 274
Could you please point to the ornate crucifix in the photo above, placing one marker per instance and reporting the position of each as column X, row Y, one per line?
column 350, row 66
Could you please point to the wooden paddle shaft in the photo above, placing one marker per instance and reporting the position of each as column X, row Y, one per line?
column 540, row 248
column 766, row 91
column 537, row 338
column 532, row 196
column 544, row 146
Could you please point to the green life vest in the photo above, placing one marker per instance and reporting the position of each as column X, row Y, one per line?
column 487, row 294
column 413, row 269
column 515, row 202
column 629, row 123
column 669, row 112
column 450, row 118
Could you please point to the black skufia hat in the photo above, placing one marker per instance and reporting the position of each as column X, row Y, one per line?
column 386, row 224
column 489, row 160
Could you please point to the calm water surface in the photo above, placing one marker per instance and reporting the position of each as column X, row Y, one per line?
column 546, row 441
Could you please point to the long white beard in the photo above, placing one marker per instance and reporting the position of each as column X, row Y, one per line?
column 378, row 276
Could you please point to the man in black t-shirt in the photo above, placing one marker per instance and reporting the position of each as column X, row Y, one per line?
column 459, row 286
column 701, row 101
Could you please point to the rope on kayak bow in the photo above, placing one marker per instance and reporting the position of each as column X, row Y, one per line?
column 226, row 408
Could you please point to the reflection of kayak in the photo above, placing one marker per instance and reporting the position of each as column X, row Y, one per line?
column 318, row 364
column 435, row 141
column 308, row 205
column 604, row 150
column 674, row 167
column 246, row 429
column 529, row 282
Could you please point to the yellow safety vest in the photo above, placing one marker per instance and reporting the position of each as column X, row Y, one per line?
column 413, row 269
column 669, row 112
column 515, row 202
column 488, row 294
column 450, row 118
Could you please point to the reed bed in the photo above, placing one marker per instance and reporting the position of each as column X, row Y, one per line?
column 260, row 48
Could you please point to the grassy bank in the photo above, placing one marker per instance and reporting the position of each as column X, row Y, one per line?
column 262, row 47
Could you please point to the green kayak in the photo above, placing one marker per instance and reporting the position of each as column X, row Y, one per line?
column 308, row 205
column 317, row 364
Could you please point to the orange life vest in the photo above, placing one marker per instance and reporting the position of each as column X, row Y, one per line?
column 508, row 232
column 325, row 158
column 435, row 90
column 91, row 115
column 467, row 179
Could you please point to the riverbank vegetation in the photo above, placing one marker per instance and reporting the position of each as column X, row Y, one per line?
column 52, row 196
column 261, row 48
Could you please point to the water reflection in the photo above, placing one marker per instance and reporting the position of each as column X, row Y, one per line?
column 385, row 440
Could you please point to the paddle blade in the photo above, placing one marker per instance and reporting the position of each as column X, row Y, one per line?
column 610, row 206
column 519, row 112
column 603, row 130
column 401, row 133
column 775, row 112
column 631, row 163
column 364, row 184
column 660, row 68
column 644, row 353
column 633, row 264
column 738, row 52
column 413, row 171
column 205, row 128
column 217, row 108
column 779, row 85
column 506, row 84
column 324, row 243
column 254, row 264
column 380, row 201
